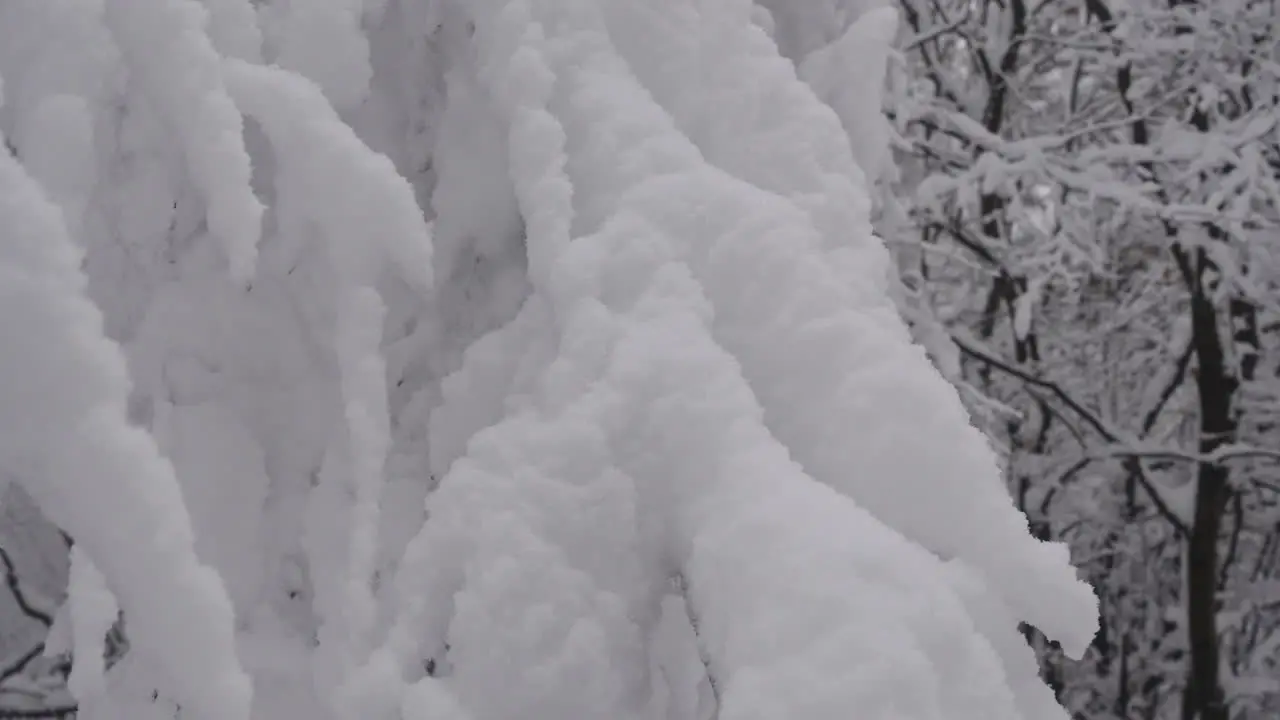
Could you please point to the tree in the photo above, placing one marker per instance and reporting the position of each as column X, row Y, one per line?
column 490, row 359
column 1104, row 174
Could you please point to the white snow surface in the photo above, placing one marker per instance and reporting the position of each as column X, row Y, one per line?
column 172, row 58
column 556, row 375
column 93, row 610
column 64, row 391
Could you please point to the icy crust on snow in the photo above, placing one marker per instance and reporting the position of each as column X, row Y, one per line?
column 69, row 387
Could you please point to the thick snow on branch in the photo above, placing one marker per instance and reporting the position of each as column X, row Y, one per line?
column 809, row 317
column 93, row 612
column 654, row 341
column 63, row 397
column 848, row 76
column 58, row 151
column 365, row 211
column 642, row 405
column 803, row 29
column 323, row 40
column 886, row 635
column 233, row 28
column 166, row 49
column 366, row 216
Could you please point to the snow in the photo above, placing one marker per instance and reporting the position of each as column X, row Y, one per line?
column 540, row 304
column 802, row 30
column 58, row 152
column 169, row 54
column 778, row 306
column 64, row 391
column 321, row 40
column 233, row 29
column 93, row 612
column 371, row 201
column 681, row 680
column 482, row 270
column 745, row 560
column 207, row 445
column 353, row 192
column 716, row 463
column 848, row 75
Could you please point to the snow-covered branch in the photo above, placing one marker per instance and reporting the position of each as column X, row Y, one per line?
column 656, row 339
column 64, row 399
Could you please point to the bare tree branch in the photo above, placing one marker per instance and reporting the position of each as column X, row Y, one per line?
column 20, row 663
column 60, row 712
column 15, row 587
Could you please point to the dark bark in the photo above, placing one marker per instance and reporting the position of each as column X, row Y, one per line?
column 1217, row 385
column 20, row 597
column 52, row 713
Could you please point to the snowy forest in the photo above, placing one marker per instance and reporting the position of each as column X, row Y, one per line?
column 640, row 359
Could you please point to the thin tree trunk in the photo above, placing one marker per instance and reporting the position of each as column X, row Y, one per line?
column 1217, row 384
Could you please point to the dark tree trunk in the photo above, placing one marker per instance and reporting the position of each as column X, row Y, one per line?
column 1217, row 385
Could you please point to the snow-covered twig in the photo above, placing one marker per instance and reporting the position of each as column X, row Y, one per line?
column 936, row 32
column 1090, row 417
